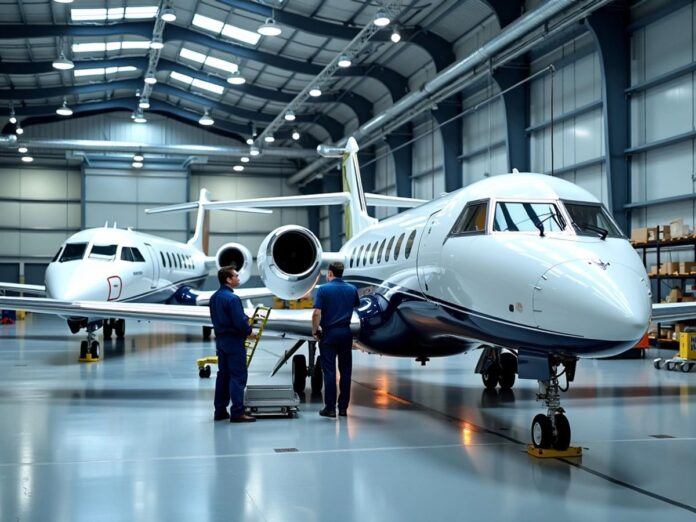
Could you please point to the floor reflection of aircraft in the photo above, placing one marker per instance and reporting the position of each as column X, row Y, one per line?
column 116, row 265
column 529, row 267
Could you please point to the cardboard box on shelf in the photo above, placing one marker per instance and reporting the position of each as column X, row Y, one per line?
column 669, row 268
column 674, row 295
column 639, row 235
column 686, row 267
column 677, row 228
column 653, row 270
column 688, row 299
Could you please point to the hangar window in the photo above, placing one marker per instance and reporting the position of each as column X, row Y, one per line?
column 527, row 217
column 103, row 252
column 389, row 247
column 591, row 219
column 397, row 248
column 381, row 250
column 472, row 220
column 164, row 261
column 73, row 252
column 409, row 244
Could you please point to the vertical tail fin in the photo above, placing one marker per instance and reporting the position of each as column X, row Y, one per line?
column 199, row 239
column 355, row 212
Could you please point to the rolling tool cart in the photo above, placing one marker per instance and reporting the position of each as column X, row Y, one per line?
column 685, row 360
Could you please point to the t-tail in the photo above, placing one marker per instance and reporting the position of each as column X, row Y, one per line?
column 356, row 215
column 199, row 240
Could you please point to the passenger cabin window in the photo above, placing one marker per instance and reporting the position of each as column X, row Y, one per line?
column 381, row 250
column 397, row 248
column 527, row 217
column 409, row 244
column 169, row 257
column 103, row 252
column 472, row 219
column 366, row 254
column 591, row 220
column 372, row 252
column 389, row 247
column 73, row 252
column 164, row 261
column 358, row 257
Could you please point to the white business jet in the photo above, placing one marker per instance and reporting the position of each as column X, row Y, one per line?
column 116, row 265
column 528, row 267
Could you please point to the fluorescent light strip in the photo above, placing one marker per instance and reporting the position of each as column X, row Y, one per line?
column 217, row 63
column 114, row 13
column 91, row 47
column 231, row 31
column 101, row 70
column 195, row 82
column 180, row 77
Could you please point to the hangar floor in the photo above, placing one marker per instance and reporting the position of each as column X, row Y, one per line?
column 132, row 438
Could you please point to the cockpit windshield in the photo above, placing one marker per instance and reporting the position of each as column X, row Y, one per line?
column 511, row 216
column 592, row 219
column 103, row 252
column 73, row 252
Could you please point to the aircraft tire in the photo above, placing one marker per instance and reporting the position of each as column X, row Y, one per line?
column 490, row 378
column 108, row 329
column 204, row 373
column 562, row 439
column 299, row 373
column 207, row 331
column 83, row 350
column 542, row 432
column 94, row 349
column 317, row 379
column 508, row 370
column 120, row 328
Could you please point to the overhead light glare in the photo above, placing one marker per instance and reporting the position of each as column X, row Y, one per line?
column 19, row 130
column 206, row 120
column 63, row 1
column 238, row 168
column 137, row 164
column 232, row 31
column 381, row 19
column 236, row 79
column 27, row 159
column 138, row 158
column 217, row 89
column 269, row 28
column 269, row 138
column 64, row 110
column 138, row 117
column 295, row 135
column 244, row 159
column 13, row 118
column 253, row 151
column 209, row 24
column 150, row 79
column 344, row 61
column 289, row 116
column 22, row 150
column 395, row 36
column 62, row 63
column 168, row 15
column 143, row 104
column 315, row 93
column 157, row 44
column 250, row 141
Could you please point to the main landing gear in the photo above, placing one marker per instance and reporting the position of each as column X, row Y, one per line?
column 497, row 368
column 117, row 326
column 300, row 371
column 89, row 349
column 552, row 431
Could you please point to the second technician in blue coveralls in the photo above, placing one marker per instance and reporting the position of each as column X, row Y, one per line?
column 333, row 309
column 231, row 330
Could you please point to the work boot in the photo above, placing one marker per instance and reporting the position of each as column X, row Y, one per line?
column 326, row 412
column 342, row 413
column 244, row 418
column 221, row 415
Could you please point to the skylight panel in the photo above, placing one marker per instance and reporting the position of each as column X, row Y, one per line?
column 136, row 44
column 192, row 55
column 88, row 72
column 89, row 47
column 88, row 14
column 109, row 46
column 148, row 11
column 232, row 31
column 221, row 64
column 217, row 89
column 209, row 24
column 113, row 46
column 181, row 77
column 127, row 68
column 100, row 71
column 114, row 13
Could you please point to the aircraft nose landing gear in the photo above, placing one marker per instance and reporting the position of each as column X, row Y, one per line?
column 89, row 349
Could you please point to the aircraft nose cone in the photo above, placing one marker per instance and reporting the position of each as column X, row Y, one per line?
column 69, row 283
column 593, row 299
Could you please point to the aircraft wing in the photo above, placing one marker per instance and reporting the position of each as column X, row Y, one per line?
column 203, row 297
column 292, row 324
column 672, row 312
column 26, row 289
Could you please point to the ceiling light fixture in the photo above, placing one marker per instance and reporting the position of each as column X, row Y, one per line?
column 395, row 36
column 62, row 63
column 315, row 93
column 27, row 159
column 22, row 150
column 143, row 104
column 64, row 110
column 381, row 19
column 206, row 119
column 168, row 15
column 64, row 1
column 157, row 43
column 236, row 79
column 244, row 159
column 253, row 151
column 138, row 158
column 138, row 117
column 269, row 138
column 150, row 79
column 137, row 164
column 19, row 130
column 344, row 61
column 295, row 134
column 269, row 28
column 238, row 168
column 13, row 117
column 250, row 141
column 290, row 116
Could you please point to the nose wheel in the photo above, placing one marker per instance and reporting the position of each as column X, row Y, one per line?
column 552, row 430
column 89, row 348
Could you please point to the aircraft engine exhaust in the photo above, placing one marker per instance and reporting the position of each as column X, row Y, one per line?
column 236, row 255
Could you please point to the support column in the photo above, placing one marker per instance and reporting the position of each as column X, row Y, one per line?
column 451, row 141
column 314, row 187
column 516, row 103
column 608, row 26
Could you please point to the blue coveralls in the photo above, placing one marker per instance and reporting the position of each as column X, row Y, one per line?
column 231, row 329
column 336, row 300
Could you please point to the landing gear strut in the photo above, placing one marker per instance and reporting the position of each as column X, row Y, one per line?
column 497, row 368
column 553, row 429
column 89, row 349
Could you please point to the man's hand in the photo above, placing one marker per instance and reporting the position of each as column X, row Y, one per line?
column 317, row 335
column 253, row 336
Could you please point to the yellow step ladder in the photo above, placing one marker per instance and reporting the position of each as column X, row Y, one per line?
column 258, row 322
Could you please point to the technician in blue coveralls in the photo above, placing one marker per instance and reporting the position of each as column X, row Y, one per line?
column 333, row 308
column 231, row 329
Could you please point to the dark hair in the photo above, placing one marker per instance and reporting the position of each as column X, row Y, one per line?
column 225, row 272
column 337, row 269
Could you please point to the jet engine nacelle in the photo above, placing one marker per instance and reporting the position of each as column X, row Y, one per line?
column 289, row 261
column 237, row 255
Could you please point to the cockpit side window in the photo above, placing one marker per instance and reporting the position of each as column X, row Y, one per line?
column 137, row 256
column 472, row 220
column 126, row 254
column 103, row 252
column 73, row 252
column 591, row 219
column 55, row 258
column 515, row 216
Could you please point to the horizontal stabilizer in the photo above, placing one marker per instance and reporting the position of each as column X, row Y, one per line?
column 193, row 205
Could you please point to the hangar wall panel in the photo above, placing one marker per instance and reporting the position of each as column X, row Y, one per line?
column 385, row 179
column 664, row 112
column 428, row 169
column 40, row 207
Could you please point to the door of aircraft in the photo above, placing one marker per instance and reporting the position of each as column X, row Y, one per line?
column 429, row 251
column 154, row 270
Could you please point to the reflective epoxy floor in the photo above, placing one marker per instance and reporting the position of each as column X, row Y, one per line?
column 132, row 438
